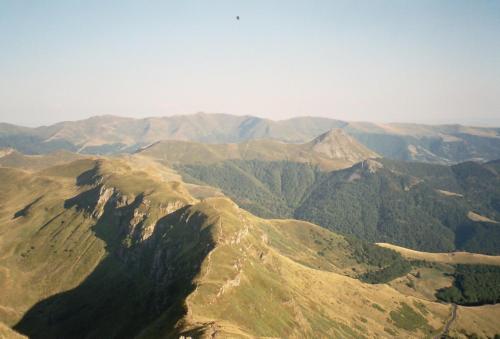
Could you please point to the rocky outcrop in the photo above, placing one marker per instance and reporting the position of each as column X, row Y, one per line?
column 105, row 193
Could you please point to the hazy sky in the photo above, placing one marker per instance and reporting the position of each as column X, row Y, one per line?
column 425, row 61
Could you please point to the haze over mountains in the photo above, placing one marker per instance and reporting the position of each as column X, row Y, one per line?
column 110, row 134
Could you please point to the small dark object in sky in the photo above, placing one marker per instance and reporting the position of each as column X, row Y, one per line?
column 237, row 17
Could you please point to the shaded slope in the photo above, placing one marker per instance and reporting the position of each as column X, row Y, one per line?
column 131, row 288
column 106, row 257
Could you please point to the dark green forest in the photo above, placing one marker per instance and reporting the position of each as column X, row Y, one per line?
column 473, row 285
column 391, row 264
column 402, row 202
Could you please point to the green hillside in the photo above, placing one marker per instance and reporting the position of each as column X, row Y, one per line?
column 416, row 205
column 119, row 248
column 74, row 243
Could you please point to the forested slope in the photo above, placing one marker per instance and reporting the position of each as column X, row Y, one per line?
column 416, row 205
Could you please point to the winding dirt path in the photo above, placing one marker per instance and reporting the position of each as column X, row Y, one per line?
column 446, row 328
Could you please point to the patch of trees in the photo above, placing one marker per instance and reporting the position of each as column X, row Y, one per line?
column 394, row 270
column 389, row 264
column 370, row 254
column 473, row 285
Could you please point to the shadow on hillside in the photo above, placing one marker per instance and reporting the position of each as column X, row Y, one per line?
column 24, row 211
column 133, row 286
column 89, row 176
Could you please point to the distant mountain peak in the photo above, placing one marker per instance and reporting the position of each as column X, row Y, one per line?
column 336, row 143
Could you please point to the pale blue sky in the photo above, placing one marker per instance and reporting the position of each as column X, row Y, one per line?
column 423, row 61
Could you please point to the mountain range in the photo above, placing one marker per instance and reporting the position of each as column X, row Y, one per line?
column 219, row 226
column 443, row 144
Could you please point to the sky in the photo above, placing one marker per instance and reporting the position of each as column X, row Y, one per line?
column 425, row 61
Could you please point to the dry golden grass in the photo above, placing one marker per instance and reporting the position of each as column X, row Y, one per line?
column 12, row 158
column 448, row 258
column 162, row 173
column 7, row 333
column 481, row 320
column 263, row 291
column 449, row 194
column 426, row 286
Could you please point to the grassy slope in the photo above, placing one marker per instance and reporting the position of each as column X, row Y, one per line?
column 263, row 279
column 479, row 320
column 69, row 252
column 37, row 162
column 96, row 231
column 25, row 243
column 448, row 258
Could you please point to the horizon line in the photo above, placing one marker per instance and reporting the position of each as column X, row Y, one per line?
column 250, row 116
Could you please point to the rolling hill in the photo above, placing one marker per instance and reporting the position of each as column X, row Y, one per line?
column 331, row 150
column 120, row 248
column 110, row 134
column 448, row 258
column 12, row 158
